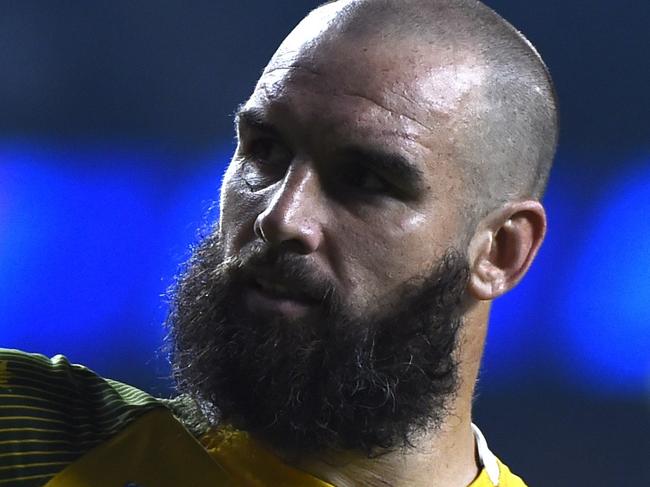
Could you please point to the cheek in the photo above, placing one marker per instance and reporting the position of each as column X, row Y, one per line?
column 238, row 211
column 386, row 252
column 409, row 243
column 380, row 253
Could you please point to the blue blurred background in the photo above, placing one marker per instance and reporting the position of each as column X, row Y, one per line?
column 115, row 129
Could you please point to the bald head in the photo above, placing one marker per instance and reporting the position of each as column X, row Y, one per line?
column 497, row 103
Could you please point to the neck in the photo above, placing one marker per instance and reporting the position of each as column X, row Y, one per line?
column 445, row 456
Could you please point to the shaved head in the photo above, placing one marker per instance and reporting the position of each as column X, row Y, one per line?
column 504, row 118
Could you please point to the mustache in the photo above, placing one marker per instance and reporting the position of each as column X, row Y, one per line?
column 261, row 261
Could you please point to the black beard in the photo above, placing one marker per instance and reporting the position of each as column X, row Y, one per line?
column 338, row 381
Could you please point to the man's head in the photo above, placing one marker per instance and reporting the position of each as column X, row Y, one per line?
column 385, row 187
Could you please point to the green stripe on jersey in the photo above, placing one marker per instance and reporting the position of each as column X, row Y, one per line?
column 52, row 412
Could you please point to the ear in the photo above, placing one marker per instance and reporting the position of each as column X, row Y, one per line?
column 503, row 247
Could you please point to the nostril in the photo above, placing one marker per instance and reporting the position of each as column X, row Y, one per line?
column 259, row 231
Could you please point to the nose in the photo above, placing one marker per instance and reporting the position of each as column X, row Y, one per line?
column 293, row 217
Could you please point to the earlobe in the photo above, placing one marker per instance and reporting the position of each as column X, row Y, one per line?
column 503, row 248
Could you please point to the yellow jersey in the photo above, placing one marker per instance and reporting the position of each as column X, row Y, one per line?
column 61, row 425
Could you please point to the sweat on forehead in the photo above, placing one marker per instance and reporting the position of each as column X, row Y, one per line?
column 427, row 88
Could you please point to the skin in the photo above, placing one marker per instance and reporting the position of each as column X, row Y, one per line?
column 302, row 180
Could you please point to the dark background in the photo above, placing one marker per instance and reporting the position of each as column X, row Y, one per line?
column 115, row 128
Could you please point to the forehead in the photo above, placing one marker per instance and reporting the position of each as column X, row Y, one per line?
column 413, row 98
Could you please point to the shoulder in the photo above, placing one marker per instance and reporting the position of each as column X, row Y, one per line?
column 494, row 471
column 507, row 478
column 72, row 388
column 52, row 412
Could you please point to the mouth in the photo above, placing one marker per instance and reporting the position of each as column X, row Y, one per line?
column 278, row 298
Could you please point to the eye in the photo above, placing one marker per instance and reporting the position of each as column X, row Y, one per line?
column 362, row 178
column 268, row 151
column 264, row 161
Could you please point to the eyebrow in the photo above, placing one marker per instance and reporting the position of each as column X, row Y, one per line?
column 254, row 118
column 390, row 165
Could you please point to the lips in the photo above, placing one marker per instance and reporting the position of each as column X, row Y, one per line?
column 281, row 290
column 273, row 298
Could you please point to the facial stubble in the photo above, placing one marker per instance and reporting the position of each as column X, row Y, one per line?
column 369, row 381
